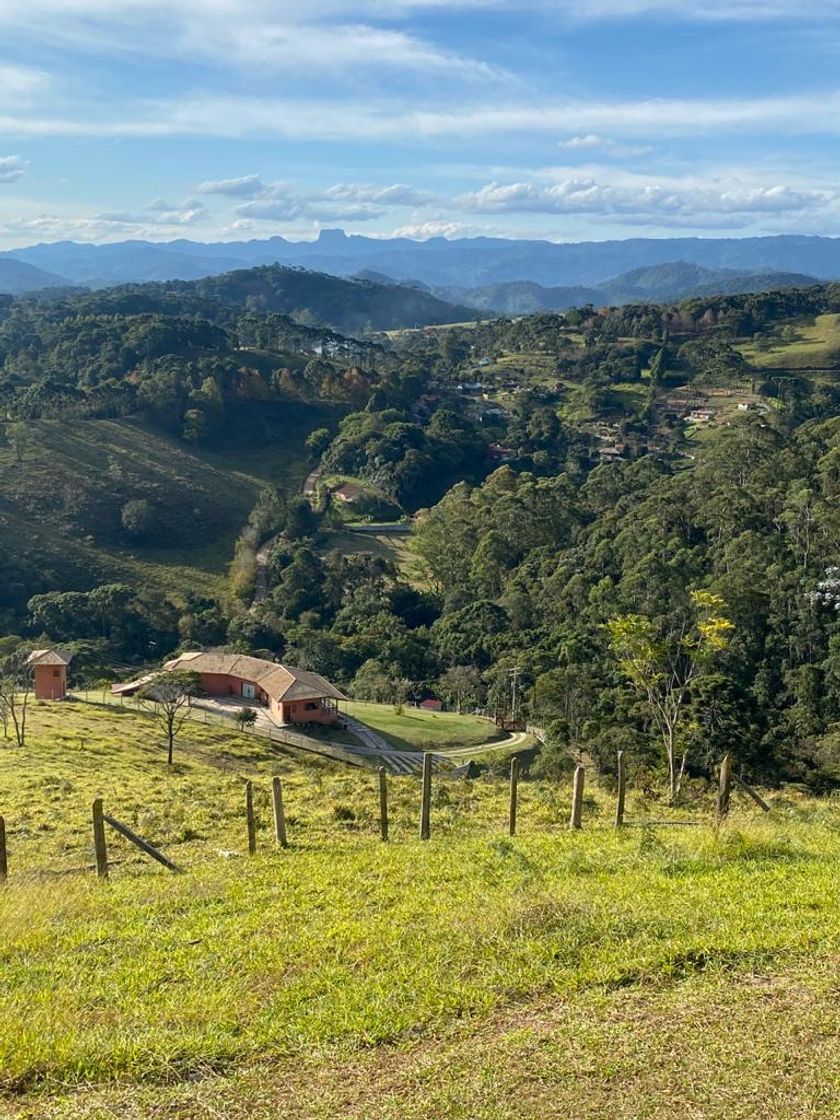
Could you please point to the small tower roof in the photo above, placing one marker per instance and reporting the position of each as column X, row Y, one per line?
column 49, row 657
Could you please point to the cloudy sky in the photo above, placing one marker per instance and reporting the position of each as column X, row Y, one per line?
column 223, row 119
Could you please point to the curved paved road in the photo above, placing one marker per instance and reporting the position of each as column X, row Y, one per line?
column 368, row 747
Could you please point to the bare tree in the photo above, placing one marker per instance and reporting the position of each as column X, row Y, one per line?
column 167, row 696
column 402, row 687
column 15, row 692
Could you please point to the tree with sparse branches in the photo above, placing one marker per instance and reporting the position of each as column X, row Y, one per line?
column 15, row 692
column 664, row 666
column 402, row 686
column 21, row 438
column 168, row 696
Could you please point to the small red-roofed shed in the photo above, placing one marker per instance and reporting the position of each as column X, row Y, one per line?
column 49, row 668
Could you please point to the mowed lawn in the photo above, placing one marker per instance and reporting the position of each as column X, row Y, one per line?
column 652, row 972
column 418, row 729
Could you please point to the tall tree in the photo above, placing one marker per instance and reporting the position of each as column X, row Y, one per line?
column 167, row 696
column 664, row 664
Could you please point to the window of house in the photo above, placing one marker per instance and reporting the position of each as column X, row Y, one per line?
column 56, row 673
column 310, row 707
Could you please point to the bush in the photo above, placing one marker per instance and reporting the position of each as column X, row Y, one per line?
column 246, row 717
column 138, row 518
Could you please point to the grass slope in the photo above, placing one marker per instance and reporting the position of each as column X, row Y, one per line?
column 645, row 973
column 65, row 500
column 817, row 345
column 392, row 546
column 415, row 728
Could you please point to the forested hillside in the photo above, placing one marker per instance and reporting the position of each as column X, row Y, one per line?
column 587, row 490
column 18, row 277
column 350, row 305
column 673, row 280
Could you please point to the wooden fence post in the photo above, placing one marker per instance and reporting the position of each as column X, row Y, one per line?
column 577, row 798
column 383, row 803
column 249, row 817
column 426, row 802
column 514, row 791
column 724, row 787
column 619, row 802
column 279, row 813
column 99, row 847
column 139, row 842
column 4, row 860
column 762, row 804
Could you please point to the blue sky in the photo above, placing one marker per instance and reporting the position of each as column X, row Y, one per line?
column 229, row 119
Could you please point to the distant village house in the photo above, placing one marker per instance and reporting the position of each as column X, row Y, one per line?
column 348, row 492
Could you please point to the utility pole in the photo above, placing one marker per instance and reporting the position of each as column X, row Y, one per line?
column 514, row 692
column 514, row 675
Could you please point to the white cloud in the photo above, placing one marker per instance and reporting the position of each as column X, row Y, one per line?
column 95, row 228
column 591, row 142
column 21, row 84
column 247, row 186
column 292, row 35
column 421, row 231
column 666, row 204
column 158, row 212
column 292, row 209
column 727, row 11
column 397, row 194
column 12, row 168
column 348, row 120
column 588, row 141
column 342, row 202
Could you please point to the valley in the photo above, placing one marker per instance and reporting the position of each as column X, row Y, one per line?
column 419, row 560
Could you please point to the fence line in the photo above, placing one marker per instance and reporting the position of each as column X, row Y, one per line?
column 99, row 818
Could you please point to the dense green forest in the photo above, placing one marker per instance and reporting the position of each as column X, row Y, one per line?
column 597, row 497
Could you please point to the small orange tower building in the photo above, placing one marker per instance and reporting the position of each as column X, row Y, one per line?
column 49, row 667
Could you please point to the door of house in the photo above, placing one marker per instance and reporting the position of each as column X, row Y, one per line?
column 248, row 692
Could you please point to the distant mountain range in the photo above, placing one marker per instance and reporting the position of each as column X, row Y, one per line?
column 675, row 280
column 18, row 277
column 463, row 263
column 356, row 284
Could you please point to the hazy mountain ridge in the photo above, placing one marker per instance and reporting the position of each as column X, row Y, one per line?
column 18, row 277
column 672, row 281
column 465, row 263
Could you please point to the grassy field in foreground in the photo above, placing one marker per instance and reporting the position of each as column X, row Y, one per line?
column 415, row 728
column 653, row 972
